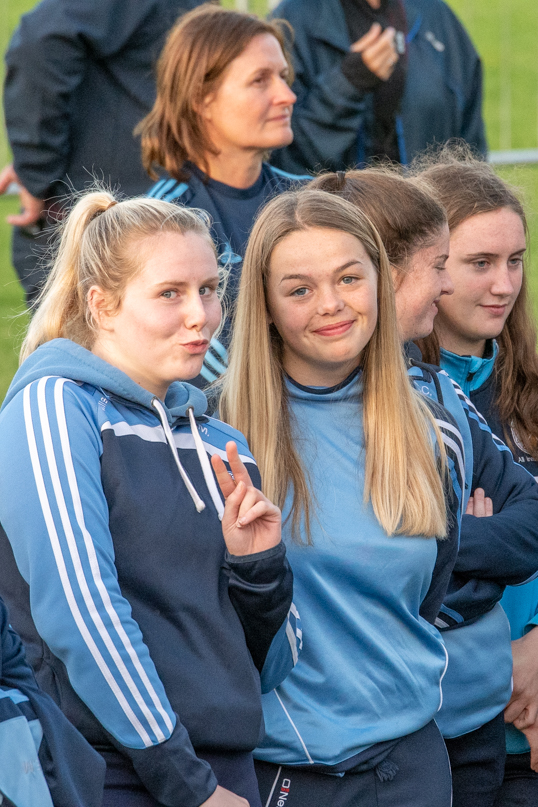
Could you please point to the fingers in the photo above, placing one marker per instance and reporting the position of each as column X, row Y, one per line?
column 226, row 483
column 237, row 467
column 469, row 510
column 32, row 209
column 7, row 177
column 482, row 505
column 368, row 39
column 513, row 711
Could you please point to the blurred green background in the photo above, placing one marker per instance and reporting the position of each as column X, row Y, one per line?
column 505, row 34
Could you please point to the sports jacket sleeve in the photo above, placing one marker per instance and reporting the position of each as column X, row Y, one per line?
column 502, row 547
column 45, row 64
column 260, row 587
column 329, row 109
column 55, row 514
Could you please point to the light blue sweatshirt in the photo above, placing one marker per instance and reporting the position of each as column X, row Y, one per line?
column 371, row 667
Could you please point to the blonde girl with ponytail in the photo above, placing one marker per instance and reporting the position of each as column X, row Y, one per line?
column 357, row 462
column 142, row 563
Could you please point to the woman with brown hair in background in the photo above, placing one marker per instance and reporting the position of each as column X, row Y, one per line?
column 223, row 102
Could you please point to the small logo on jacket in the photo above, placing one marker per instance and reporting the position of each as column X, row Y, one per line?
column 284, row 793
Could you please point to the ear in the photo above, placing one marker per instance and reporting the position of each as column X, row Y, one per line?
column 203, row 108
column 98, row 304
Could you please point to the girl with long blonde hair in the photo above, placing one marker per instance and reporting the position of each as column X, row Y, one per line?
column 357, row 462
column 148, row 598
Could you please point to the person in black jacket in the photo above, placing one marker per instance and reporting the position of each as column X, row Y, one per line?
column 378, row 78
column 79, row 77
column 223, row 101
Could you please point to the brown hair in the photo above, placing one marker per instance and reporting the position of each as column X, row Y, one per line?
column 197, row 52
column 466, row 187
column 406, row 217
column 401, row 475
column 100, row 245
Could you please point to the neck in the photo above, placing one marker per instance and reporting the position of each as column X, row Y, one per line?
column 458, row 344
column 107, row 353
column 322, row 376
column 374, row 3
column 237, row 168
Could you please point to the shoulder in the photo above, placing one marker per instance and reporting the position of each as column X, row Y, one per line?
column 172, row 190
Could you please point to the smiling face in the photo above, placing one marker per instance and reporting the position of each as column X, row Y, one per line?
column 252, row 107
column 486, row 267
column 322, row 299
column 419, row 289
column 168, row 313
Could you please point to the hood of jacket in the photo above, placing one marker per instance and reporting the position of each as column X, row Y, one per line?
column 67, row 359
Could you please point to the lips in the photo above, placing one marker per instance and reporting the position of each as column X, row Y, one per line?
column 496, row 310
column 336, row 329
column 200, row 346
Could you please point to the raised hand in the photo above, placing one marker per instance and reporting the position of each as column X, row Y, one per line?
column 378, row 50
column 251, row 523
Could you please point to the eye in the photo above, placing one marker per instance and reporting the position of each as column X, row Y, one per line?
column 205, row 291
column 301, row 292
column 515, row 263
column 169, row 294
column 482, row 264
column 347, row 280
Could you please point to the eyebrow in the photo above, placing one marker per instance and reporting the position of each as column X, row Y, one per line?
column 335, row 272
column 475, row 255
column 167, row 283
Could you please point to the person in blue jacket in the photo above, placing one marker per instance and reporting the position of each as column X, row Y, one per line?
column 154, row 612
column 79, row 76
column 223, row 101
column 494, row 551
column 378, row 78
column 45, row 761
column 485, row 339
column 355, row 456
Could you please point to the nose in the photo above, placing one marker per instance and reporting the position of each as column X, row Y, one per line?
column 330, row 302
column 194, row 313
column 284, row 95
column 503, row 283
column 447, row 286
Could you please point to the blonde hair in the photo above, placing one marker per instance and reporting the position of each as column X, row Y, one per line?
column 402, row 479
column 96, row 248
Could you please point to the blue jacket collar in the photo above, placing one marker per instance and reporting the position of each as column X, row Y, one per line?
column 470, row 372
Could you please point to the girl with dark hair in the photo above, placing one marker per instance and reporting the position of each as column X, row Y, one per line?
column 355, row 456
column 485, row 338
column 223, row 102
column 154, row 606
column 495, row 551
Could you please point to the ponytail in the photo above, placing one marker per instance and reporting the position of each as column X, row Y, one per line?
column 97, row 248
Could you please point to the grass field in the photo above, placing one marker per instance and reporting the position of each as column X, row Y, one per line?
column 505, row 34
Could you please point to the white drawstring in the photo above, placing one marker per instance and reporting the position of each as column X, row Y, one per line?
column 206, row 466
column 198, row 503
